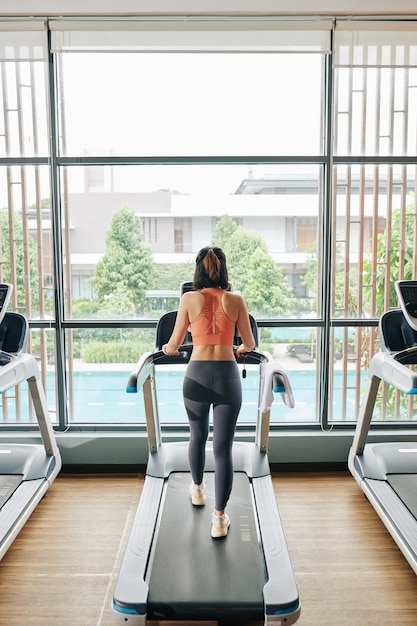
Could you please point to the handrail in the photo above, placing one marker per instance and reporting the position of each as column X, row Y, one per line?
column 143, row 376
column 139, row 373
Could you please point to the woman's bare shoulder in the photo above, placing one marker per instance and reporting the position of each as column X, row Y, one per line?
column 234, row 297
column 192, row 302
column 192, row 296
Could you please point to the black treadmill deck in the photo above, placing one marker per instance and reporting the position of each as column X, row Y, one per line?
column 196, row 577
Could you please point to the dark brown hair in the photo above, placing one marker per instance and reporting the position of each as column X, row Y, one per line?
column 210, row 269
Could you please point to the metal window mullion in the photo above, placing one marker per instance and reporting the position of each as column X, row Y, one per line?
column 61, row 393
column 325, row 387
column 66, row 242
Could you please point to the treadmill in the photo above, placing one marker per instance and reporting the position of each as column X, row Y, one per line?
column 172, row 569
column 387, row 472
column 26, row 470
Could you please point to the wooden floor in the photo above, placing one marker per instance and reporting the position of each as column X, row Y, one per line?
column 62, row 568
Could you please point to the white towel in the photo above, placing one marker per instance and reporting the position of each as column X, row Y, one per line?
column 271, row 368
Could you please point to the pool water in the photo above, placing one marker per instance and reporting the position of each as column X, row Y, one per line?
column 100, row 397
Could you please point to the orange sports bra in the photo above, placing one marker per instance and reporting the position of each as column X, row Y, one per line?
column 213, row 326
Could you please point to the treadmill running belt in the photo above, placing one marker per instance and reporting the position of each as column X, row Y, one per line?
column 195, row 577
column 405, row 486
column 8, row 485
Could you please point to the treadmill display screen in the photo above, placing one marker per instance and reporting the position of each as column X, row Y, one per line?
column 407, row 296
column 410, row 299
column 5, row 293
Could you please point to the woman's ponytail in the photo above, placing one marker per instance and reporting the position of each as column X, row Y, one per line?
column 212, row 266
column 210, row 269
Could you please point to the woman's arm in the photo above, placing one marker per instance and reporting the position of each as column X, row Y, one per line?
column 244, row 328
column 180, row 328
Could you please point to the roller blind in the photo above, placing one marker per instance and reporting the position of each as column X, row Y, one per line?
column 23, row 40
column 375, row 44
column 191, row 35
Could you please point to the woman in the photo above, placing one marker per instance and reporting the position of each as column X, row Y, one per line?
column 212, row 376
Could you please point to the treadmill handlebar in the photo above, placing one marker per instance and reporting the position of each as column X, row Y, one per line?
column 141, row 370
column 391, row 369
column 408, row 356
column 24, row 367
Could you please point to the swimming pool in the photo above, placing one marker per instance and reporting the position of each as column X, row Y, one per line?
column 99, row 397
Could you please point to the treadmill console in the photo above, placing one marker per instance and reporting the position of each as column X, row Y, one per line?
column 407, row 296
column 5, row 294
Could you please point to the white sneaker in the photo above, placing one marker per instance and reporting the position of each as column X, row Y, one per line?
column 198, row 496
column 220, row 525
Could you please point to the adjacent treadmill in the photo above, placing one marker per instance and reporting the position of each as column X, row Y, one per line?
column 172, row 569
column 26, row 470
column 387, row 472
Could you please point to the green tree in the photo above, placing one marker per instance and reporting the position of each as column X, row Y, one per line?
column 266, row 290
column 223, row 230
column 171, row 276
column 255, row 274
column 390, row 255
column 126, row 266
column 311, row 280
column 25, row 255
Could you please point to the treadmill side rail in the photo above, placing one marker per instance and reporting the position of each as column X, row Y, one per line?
column 131, row 592
column 281, row 600
column 395, row 515
column 16, row 511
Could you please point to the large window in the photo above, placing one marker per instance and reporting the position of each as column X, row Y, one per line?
column 139, row 142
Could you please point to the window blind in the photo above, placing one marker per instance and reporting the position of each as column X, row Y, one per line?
column 190, row 35
column 23, row 40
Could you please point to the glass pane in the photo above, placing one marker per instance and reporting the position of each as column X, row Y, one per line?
column 98, row 368
column 132, row 237
column 103, row 359
column 354, row 349
column 26, row 249
column 190, row 104
column 16, row 403
column 375, row 237
column 23, row 109
column 349, row 358
column 295, row 349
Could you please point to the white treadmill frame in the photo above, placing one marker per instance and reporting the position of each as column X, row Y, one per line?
column 45, row 457
column 363, row 457
column 129, row 606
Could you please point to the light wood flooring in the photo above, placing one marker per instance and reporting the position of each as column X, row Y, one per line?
column 62, row 568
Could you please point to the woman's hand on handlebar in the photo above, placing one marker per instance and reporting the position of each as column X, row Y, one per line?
column 169, row 351
column 241, row 349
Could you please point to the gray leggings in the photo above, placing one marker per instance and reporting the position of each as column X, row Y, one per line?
column 214, row 383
